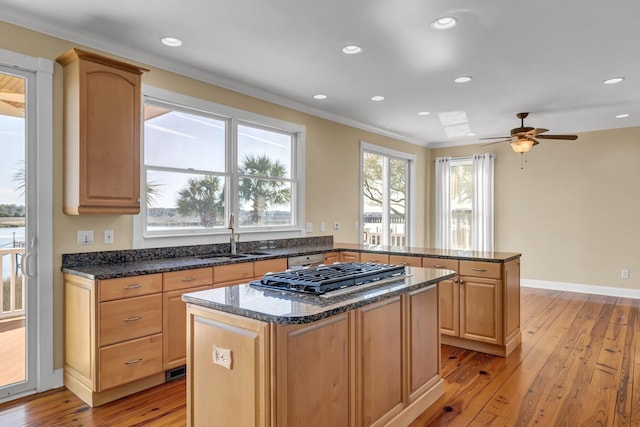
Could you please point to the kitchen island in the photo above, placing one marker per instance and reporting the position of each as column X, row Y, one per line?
column 263, row 357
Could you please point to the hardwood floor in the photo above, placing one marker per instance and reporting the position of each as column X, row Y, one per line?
column 12, row 351
column 577, row 366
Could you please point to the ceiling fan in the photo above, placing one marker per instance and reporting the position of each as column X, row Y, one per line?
column 522, row 139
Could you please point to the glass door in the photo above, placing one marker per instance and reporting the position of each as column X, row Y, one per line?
column 17, row 321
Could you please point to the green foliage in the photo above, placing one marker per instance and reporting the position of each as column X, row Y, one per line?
column 372, row 183
column 262, row 193
column 12, row 211
column 203, row 197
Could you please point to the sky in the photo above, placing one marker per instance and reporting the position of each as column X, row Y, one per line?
column 12, row 151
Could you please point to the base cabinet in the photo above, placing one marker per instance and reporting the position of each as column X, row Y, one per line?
column 480, row 308
column 378, row 365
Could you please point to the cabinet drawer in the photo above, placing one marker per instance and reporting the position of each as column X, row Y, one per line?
column 379, row 258
column 480, row 269
column 448, row 264
column 233, row 272
column 126, row 287
column 350, row 256
column 129, row 361
column 185, row 279
column 260, row 268
column 413, row 261
column 131, row 318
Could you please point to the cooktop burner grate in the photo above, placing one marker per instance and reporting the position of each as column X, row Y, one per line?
column 326, row 278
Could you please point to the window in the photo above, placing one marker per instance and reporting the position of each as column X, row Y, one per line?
column 387, row 185
column 464, row 202
column 202, row 162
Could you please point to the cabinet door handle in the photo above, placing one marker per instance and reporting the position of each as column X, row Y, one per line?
column 439, row 266
column 461, row 281
column 189, row 279
column 133, row 362
column 478, row 269
column 134, row 286
column 132, row 319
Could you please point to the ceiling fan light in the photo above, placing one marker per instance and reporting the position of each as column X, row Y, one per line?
column 522, row 145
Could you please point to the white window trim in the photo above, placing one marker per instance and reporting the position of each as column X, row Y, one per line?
column 140, row 240
column 41, row 239
column 411, row 191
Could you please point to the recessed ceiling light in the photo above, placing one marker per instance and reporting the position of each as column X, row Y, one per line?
column 444, row 23
column 462, row 79
column 352, row 49
column 622, row 116
column 613, row 80
column 320, row 96
column 471, row 134
column 377, row 98
column 171, row 41
column 423, row 113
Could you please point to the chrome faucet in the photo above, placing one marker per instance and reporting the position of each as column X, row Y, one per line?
column 233, row 235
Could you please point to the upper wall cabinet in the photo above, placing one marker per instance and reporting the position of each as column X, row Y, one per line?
column 101, row 134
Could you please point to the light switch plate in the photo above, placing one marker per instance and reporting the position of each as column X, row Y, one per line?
column 85, row 237
column 309, row 227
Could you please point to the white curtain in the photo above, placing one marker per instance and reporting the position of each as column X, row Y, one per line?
column 482, row 221
column 443, row 203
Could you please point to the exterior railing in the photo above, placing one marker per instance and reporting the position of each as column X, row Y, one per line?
column 15, row 283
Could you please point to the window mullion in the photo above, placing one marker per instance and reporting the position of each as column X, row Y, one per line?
column 386, row 191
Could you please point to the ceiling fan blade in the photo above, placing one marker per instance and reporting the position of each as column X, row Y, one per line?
column 496, row 142
column 9, row 110
column 495, row 137
column 537, row 131
column 12, row 97
column 567, row 137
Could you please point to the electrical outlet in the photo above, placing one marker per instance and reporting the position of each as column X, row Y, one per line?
column 322, row 227
column 108, row 237
column 336, row 225
column 624, row 273
column 85, row 237
column 309, row 227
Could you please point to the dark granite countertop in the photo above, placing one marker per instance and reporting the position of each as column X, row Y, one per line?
column 115, row 264
column 284, row 307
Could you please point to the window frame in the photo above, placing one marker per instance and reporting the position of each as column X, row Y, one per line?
column 410, row 208
column 233, row 118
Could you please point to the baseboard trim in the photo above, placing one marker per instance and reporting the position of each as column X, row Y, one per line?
column 581, row 288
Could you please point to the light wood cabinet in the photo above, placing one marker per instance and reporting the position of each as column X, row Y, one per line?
column 372, row 257
column 480, row 308
column 376, row 365
column 303, row 389
column 232, row 274
column 228, row 368
column 347, row 256
column 411, row 261
column 331, row 257
column 174, row 312
column 379, row 362
column 113, row 336
column 174, row 326
column 101, row 134
column 262, row 267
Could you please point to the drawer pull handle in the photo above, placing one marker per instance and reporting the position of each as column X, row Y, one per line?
column 189, row 279
column 439, row 266
column 133, row 362
column 479, row 269
column 132, row 319
column 134, row 286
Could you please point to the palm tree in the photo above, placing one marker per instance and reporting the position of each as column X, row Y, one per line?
column 203, row 197
column 262, row 193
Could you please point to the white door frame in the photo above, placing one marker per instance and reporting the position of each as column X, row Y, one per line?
column 39, row 233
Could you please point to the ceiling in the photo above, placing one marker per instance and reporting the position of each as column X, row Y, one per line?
column 546, row 57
